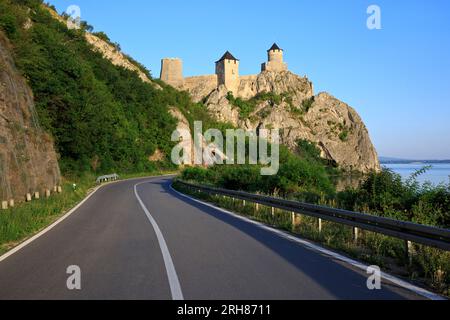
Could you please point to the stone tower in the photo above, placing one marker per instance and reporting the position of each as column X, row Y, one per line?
column 172, row 71
column 275, row 60
column 227, row 71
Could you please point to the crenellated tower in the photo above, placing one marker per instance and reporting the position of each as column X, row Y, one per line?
column 227, row 71
column 275, row 60
column 172, row 71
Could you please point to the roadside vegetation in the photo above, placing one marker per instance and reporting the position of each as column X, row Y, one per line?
column 26, row 219
column 103, row 118
column 307, row 178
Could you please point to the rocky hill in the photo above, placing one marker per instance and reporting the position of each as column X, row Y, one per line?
column 28, row 161
column 108, row 50
column 285, row 101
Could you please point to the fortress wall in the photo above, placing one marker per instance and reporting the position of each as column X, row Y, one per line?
column 208, row 81
column 200, row 86
column 251, row 77
column 195, row 80
column 275, row 66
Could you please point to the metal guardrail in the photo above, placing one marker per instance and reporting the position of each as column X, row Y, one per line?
column 409, row 231
column 106, row 178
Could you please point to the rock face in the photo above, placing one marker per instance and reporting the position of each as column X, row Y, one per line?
column 285, row 82
column 28, row 161
column 116, row 57
column 183, row 128
column 334, row 126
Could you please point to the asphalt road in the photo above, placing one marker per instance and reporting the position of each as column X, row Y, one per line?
column 177, row 249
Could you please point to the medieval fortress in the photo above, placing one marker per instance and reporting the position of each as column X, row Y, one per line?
column 227, row 73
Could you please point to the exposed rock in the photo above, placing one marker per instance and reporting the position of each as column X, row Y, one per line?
column 28, row 24
column 299, row 88
column 116, row 57
column 187, row 144
column 158, row 155
column 220, row 108
column 108, row 51
column 28, row 161
column 335, row 127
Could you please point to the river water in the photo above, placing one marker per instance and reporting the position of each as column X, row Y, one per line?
column 439, row 172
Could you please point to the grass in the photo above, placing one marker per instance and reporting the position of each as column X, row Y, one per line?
column 429, row 266
column 26, row 219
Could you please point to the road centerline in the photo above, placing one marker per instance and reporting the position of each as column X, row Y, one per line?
column 172, row 276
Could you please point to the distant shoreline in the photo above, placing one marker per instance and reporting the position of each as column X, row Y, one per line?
column 414, row 161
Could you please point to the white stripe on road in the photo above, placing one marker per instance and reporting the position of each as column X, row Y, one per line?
column 174, row 283
column 58, row 221
column 47, row 229
column 401, row 283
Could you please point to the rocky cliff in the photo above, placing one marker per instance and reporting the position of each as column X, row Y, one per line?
column 28, row 161
column 285, row 101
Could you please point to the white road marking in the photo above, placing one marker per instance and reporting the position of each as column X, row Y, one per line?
column 54, row 224
column 174, row 283
column 397, row 281
column 50, row 227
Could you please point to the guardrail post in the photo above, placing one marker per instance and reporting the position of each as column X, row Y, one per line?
column 293, row 220
column 355, row 234
column 36, row 195
column 429, row 236
column 11, row 203
column 4, row 205
column 28, row 197
column 410, row 251
column 47, row 193
column 243, row 203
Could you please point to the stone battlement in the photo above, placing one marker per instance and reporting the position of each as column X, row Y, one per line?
column 227, row 73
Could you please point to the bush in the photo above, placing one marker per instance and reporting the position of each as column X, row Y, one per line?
column 385, row 193
column 197, row 174
column 295, row 175
column 8, row 23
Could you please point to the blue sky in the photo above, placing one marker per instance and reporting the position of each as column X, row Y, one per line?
column 397, row 78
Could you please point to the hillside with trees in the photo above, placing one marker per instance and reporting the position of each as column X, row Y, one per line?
column 102, row 117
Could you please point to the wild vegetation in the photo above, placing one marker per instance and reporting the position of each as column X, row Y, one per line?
column 301, row 173
column 103, row 117
column 306, row 177
column 247, row 107
column 25, row 219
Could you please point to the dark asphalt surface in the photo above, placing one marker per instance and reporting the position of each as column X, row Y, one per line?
column 216, row 256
